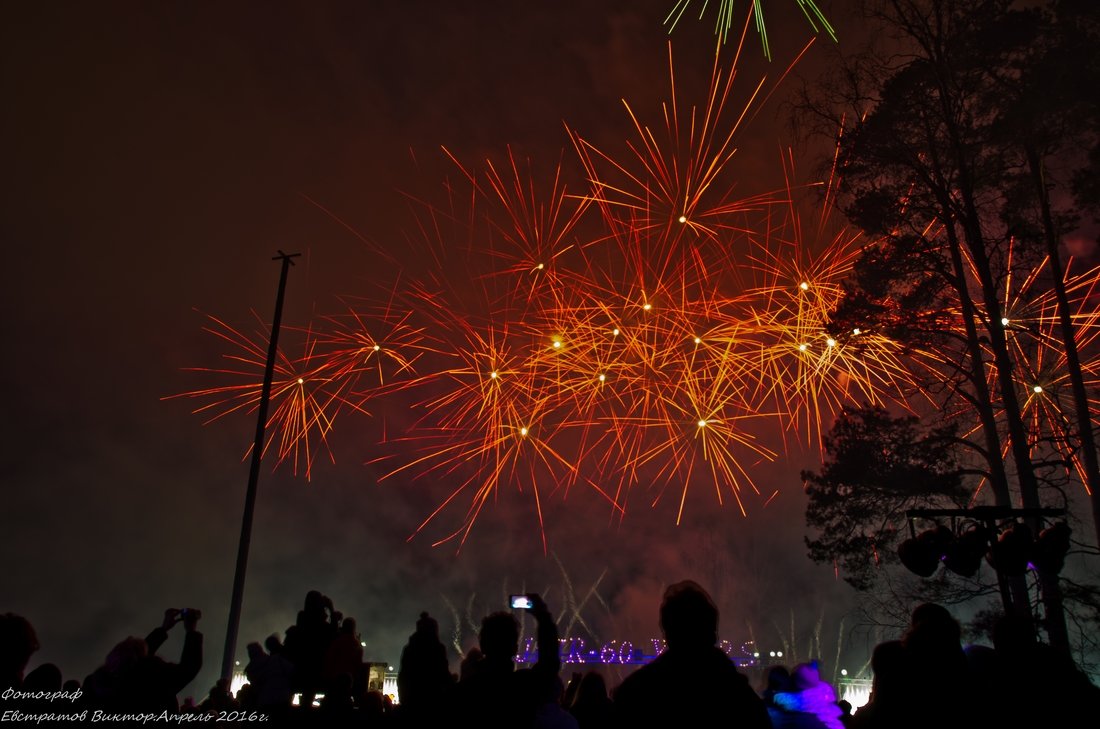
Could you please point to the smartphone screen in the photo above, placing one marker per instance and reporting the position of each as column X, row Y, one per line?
column 521, row 602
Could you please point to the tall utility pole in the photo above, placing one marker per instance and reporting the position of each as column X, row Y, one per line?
column 254, row 474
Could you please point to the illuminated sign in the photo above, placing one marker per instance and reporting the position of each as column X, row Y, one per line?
column 626, row 653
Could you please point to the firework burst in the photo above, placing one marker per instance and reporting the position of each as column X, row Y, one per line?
column 638, row 340
column 305, row 392
column 725, row 17
column 1033, row 328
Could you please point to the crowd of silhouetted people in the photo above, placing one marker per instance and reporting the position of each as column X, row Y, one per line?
column 316, row 676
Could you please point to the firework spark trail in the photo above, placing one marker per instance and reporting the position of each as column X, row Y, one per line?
column 674, row 196
column 1033, row 328
column 535, row 228
column 376, row 345
column 650, row 356
column 306, row 397
column 572, row 608
column 725, row 16
column 697, row 424
column 807, row 368
column 456, row 631
column 494, row 413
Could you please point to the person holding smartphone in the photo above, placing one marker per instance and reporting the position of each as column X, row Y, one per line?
column 133, row 678
column 493, row 693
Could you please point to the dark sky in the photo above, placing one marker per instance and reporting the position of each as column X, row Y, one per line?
column 156, row 155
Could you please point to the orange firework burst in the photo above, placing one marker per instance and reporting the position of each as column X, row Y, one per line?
column 372, row 348
column 305, row 392
column 1033, row 328
column 531, row 229
column 807, row 368
column 673, row 192
column 645, row 336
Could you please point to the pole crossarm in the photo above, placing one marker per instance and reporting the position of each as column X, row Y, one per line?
column 984, row 513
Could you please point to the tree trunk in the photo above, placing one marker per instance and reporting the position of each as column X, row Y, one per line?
column 1069, row 340
column 1055, row 619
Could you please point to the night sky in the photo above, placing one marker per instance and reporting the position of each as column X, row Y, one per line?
column 157, row 155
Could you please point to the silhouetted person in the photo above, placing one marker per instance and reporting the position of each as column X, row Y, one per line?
column 692, row 681
column 246, row 697
column 940, row 691
column 134, row 678
column 492, row 693
column 888, row 704
column 270, row 676
column 983, row 665
column 845, row 712
column 424, row 680
column 337, row 707
column 307, row 642
column 372, row 709
column 219, row 698
column 256, row 658
column 571, row 689
column 46, row 677
column 549, row 712
column 1037, row 684
column 468, row 666
column 17, row 642
column 591, row 705
column 345, row 655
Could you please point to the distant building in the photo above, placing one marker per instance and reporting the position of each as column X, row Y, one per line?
column 379, row 678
